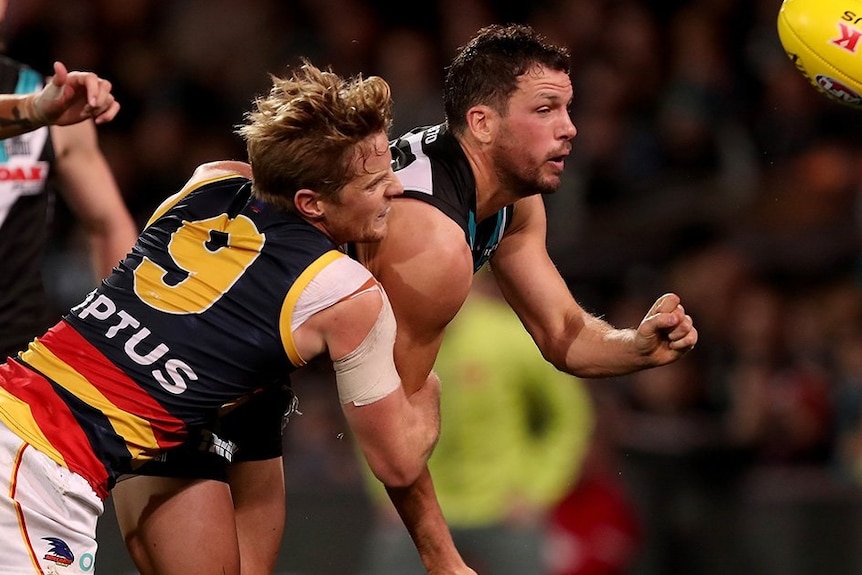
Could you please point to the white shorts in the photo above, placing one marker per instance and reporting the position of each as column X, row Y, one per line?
column 48, row 514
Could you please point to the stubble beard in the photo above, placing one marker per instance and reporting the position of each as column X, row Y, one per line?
column 526, row 182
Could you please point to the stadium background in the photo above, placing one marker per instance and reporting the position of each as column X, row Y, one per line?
column 704, row 164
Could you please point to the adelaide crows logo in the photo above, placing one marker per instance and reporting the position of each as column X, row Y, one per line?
column 59, row 552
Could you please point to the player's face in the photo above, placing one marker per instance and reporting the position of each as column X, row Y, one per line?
column 536, row 135
column 359, row 212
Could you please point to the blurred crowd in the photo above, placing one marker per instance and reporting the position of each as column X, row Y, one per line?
column 704, row 164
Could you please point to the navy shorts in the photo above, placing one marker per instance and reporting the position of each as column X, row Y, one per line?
column 250, row 432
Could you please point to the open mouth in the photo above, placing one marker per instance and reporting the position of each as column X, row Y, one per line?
column 559, row 161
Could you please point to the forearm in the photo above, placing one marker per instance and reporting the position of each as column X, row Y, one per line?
column 18, row 115
column 398, row 433
column 665, row 334
column 600, row 350
column 419, row 510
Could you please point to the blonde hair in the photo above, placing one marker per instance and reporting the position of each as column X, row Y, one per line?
column 304, row 132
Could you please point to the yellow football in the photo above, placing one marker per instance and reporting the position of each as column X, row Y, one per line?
column 823, row 38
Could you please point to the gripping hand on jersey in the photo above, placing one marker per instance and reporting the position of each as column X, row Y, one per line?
column 71, row 97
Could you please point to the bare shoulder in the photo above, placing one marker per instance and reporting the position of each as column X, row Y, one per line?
column 424, row 263
column 427, row 231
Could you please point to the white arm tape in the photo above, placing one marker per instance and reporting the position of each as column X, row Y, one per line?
column 368, row 373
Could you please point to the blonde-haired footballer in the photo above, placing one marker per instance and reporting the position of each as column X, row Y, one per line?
column 236, row 281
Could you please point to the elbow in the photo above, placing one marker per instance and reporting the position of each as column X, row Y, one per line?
column 558, row 346
column 559, row 362
column 556, row 355
column 404, row 469
column 403, row 474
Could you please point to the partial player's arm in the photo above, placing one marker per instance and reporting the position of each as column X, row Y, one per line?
column 427, row 288
column 68, row 98
column 395, row 432
column 572, row 339
column 92, row 193
column 17, row 115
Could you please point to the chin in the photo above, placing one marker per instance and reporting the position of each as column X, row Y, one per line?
column 376, row 235
column 549, row 185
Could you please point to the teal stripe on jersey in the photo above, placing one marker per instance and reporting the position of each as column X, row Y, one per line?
column 28, row 81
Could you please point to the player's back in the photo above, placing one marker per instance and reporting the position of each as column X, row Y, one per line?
column 197, row 316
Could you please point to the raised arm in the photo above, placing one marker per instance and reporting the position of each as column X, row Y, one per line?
column 574, row 340
column 68, row 98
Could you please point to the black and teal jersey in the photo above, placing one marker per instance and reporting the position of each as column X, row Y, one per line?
column 432, row 167
column 26, row 202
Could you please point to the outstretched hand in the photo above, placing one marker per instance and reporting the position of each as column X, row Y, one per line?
column 666, row 333
column 71, row 97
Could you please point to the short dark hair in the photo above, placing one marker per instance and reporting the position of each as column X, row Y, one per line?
column 486, row 69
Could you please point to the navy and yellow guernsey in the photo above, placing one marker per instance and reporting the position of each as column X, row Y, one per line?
column 432, row 167
column 197, row 316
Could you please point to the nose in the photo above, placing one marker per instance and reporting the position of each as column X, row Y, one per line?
column 569, row 129
column 395, row 187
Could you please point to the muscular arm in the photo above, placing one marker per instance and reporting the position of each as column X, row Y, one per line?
column 92, row 193
column 427, row 274
column 395, row 432
column 427, row 288
column 572, row 339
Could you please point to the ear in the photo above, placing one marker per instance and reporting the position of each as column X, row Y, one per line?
column 307, row 204
column 482, row 123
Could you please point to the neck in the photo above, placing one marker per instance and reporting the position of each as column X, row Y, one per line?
column 321, row 226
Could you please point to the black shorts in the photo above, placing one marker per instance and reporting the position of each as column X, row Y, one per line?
column 250, row 432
